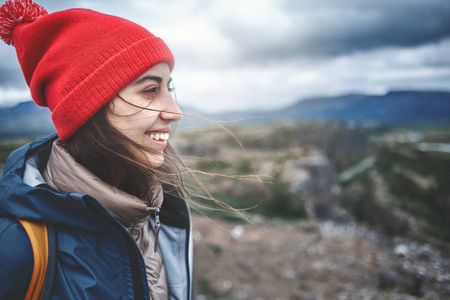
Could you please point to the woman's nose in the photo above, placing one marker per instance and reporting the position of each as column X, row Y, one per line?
column 172, row 112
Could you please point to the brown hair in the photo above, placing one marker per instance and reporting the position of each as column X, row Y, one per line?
column 103, row 150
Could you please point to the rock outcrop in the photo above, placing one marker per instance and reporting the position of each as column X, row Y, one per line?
column 311, row 180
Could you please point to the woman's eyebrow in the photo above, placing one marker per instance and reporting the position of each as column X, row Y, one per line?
column 149, row 77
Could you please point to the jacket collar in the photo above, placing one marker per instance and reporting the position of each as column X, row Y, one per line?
column 64, row 174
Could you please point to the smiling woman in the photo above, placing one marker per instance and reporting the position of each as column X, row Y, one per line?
column 108, row 185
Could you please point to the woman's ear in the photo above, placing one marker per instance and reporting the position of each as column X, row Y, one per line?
column 110, row 105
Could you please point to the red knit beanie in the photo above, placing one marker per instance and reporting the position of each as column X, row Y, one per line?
column 75, row 61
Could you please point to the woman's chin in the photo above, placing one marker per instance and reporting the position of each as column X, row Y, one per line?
column 154, row 160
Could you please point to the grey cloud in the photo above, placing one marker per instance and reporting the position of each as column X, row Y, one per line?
column 317, row 29
column 56, row 5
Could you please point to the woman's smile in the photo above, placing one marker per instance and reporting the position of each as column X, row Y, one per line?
column 158, row 138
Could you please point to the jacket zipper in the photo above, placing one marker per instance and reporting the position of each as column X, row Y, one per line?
column 157, row 226
column 138, row 294
column 188, row 265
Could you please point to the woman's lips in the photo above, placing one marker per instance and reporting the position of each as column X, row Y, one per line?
column 158, row 138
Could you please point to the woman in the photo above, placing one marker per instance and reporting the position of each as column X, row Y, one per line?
column 108, row 182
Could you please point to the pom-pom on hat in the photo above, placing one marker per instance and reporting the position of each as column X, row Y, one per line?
column 76, row 60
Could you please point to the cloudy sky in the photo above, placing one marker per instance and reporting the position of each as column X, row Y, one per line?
column 266, row 54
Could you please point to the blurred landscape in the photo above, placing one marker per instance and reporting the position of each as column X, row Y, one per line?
column 340, row 198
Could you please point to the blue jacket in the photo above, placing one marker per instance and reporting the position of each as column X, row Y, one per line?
column 96, row 257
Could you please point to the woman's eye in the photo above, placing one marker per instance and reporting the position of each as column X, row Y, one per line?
column 151, row 90
column 171, row 87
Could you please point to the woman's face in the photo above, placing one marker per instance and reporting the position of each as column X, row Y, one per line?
column 148, row 127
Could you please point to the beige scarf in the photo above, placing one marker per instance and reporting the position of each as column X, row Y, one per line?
column 64, row 174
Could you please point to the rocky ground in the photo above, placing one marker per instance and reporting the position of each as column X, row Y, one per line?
column 313, row 260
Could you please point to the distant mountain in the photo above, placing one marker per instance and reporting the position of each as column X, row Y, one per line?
column 394, row 108
column 25, row 120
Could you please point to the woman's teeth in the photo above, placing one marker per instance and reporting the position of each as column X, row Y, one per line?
column 159, row 136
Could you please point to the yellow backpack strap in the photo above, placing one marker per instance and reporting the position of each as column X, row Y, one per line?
column 37, row 232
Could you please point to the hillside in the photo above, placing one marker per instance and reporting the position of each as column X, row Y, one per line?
column 379, row 233
column 394, row 108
